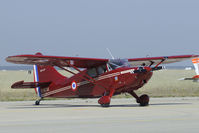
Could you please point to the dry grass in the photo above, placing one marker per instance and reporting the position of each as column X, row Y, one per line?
column 163, row 84
column 8, row 94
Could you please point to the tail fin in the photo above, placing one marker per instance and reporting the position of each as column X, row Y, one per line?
column 45, row 74
column 196, row 65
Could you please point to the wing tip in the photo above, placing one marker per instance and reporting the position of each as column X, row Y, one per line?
column 17, row 84
column 9, row 58
column 181, row 79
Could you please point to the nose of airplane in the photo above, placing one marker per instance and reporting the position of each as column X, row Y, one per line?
column 157, row 68
column 148, row 69
column 143, row 69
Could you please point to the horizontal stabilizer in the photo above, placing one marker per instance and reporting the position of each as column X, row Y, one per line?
column 22, row 84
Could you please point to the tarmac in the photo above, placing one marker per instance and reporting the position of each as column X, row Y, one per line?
column 86, row 116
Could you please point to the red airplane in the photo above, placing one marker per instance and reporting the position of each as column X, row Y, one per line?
column 96, row 78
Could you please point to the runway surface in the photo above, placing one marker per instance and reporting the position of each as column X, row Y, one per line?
column 124, row 115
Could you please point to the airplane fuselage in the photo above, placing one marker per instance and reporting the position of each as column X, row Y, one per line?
column 123, row 79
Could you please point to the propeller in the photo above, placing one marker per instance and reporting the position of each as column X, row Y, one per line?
column 146, row 69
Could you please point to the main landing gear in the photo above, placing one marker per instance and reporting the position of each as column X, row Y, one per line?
column 38, row 101
column 104, row 101
column 143, row 100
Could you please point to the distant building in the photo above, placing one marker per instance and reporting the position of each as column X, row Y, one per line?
column 188, row 68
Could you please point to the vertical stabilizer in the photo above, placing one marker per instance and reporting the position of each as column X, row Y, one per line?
column 45, row 74
column 196, row 65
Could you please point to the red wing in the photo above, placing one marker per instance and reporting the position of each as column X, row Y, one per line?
column 22, row 84
column 56, row 60
column 155, row 60
column 89, row 62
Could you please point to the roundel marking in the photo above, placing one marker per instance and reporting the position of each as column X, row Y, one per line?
column 74, row 85
column 116, row 78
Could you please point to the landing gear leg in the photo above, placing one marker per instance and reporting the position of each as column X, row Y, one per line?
column 143, row 100
column 104, row 101
column 38, row 101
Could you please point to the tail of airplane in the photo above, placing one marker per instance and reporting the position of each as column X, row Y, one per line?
column 196, row 65
column 195, row 78
column 45, row 74
column 44, row 77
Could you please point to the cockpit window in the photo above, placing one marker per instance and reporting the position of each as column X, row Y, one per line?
column 92, row 72
column 101, row 69
column 116, row 63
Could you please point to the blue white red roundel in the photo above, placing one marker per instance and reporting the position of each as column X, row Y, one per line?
column 74, row 85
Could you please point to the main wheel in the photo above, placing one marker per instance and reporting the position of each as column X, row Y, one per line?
column 105, row 105
column 144, row 100
column 104, row 101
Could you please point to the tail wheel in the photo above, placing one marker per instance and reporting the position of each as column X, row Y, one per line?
column 144, row 100
column 37, row 102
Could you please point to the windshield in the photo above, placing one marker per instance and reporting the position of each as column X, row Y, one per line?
column 116, row 63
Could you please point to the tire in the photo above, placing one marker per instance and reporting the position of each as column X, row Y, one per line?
column 37, row 102
column 106, row 105
column 144, row 100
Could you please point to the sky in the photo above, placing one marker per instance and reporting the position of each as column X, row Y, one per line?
column 85, row 28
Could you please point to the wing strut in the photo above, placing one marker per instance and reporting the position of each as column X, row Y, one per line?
column 161, row 62
column 92, row 81
column 152, row 62
column 75, row 73
column 89, row 77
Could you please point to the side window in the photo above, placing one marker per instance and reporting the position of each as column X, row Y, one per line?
column 101, row 69
column 92, row 72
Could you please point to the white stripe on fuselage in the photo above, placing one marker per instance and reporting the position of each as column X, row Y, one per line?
column 86, row 82
column 35, row 75
column 36, row 78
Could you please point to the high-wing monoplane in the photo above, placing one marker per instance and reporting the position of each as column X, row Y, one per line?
column 95, row 78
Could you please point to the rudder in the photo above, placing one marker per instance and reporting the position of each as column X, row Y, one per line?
column 196, row 65
column 43, row 73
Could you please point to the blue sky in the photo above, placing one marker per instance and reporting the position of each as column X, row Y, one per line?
column 85, row 28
